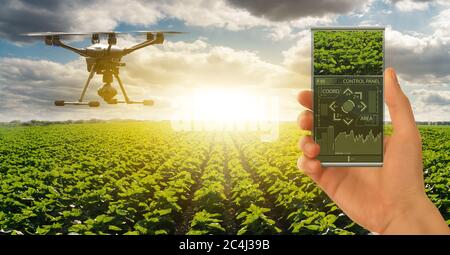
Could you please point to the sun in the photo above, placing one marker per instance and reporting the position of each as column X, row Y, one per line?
column 224, row 107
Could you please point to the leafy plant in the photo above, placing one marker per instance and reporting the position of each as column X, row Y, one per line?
column 205, row 223
column 255, row 222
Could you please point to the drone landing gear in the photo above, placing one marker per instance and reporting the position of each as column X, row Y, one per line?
column 143, row 102
column 90, row 103
column 107, row 92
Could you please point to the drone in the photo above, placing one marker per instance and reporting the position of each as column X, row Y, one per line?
column 103, row 59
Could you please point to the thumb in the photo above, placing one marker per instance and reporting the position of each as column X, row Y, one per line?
column 402, row 116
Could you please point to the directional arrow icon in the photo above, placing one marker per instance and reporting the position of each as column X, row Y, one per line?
column 332, row 106
column 360, row 94
column 348, row 91
column 348, row 121
column 364, row 106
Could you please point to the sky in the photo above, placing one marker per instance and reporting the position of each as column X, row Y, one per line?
column 258, row 47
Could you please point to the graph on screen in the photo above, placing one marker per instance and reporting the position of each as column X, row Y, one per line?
column 345, row 144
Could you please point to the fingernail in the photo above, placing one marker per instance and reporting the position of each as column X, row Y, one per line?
column 394, row 76
column 300, row 163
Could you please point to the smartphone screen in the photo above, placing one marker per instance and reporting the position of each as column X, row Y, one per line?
column 347, row 84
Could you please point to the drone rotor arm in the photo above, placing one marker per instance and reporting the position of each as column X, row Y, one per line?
column 138, row 46
column 54, row 38
column 151, row 40
column 82, row 52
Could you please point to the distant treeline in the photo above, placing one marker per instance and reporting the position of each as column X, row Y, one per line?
column 46, row 122
column 428, row 123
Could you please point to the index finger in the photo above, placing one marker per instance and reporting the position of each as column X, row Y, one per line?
column 304, row 97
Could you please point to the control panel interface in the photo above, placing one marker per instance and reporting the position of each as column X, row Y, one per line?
column 347, row 81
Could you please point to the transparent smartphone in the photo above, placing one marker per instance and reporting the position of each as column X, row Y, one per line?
column 347, row 84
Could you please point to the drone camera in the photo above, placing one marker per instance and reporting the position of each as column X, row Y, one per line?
column 107, row 92
column 112, row 101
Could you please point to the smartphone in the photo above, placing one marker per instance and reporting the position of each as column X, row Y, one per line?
column 348, row 96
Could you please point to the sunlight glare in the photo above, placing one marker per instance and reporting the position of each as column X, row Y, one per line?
column 225, row 106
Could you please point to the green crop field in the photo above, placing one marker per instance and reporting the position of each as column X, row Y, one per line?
column 142, row 178
column 356, row 52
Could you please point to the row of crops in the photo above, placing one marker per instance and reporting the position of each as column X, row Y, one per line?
column 143, row 178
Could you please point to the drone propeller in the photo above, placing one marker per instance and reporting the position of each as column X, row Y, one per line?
column 44, row 34
column 164, row 32
column 151, row 34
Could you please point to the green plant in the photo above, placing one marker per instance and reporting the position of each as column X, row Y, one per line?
column 205, row 223
column 255, row 222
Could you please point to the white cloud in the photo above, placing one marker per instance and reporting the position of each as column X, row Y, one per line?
column 433, row 97
column 106, row 15
column 281, row 31
column 444, row 3
column 295, row 28
column 411, row 5
column 419, row 58
column 441, row 25
column 298, row 58
column 209, row 65
column 401, row 41
column 308, row 22
column 211, row 13
column 201, row 64
column 431, row 105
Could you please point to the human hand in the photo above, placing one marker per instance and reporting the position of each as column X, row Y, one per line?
column 389, row 199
